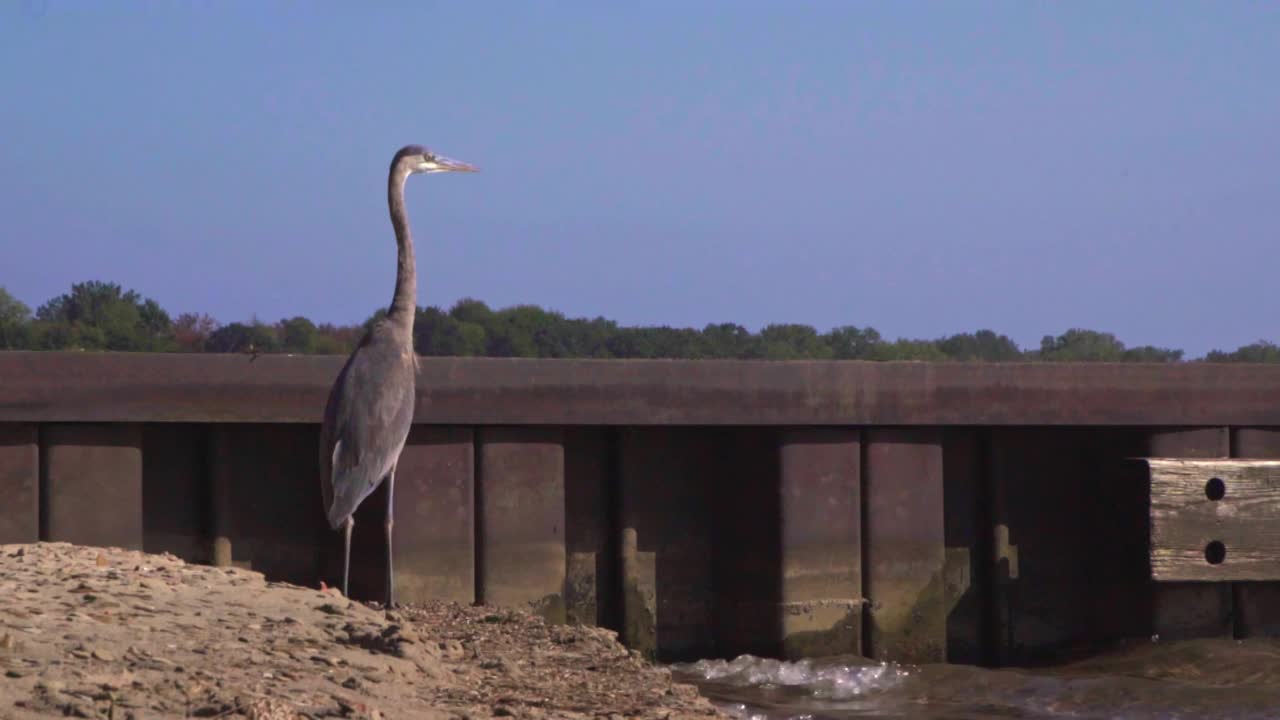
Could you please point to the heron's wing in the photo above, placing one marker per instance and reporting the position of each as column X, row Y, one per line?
column 367, row 421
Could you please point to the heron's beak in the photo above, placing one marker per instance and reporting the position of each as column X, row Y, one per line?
column 444, row 164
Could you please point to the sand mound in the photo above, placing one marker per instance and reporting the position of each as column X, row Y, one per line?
column 94, row 632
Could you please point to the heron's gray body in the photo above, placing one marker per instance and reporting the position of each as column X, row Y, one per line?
column 370, row 408
column 366, row 420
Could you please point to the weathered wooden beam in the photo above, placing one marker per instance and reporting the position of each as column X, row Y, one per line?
column 1257, row 604
column 140, row 387
column 1191, row 609
column 1215, row 520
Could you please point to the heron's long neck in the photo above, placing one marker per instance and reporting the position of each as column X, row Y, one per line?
column 404, row 304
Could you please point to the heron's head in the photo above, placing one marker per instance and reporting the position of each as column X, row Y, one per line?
column 417, row 159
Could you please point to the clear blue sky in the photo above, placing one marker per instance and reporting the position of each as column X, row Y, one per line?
column 924, row 168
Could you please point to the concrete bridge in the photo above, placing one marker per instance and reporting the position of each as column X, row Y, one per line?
column 979, row 513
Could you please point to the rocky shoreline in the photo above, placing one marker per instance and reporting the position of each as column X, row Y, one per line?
column 110, row 633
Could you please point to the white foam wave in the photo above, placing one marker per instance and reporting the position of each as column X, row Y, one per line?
column 828, row 681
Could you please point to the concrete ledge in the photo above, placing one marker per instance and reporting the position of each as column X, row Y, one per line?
column 135, row 387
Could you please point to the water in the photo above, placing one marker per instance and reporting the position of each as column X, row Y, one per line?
column 1192, row 679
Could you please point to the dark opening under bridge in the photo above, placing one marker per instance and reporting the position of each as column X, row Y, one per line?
column 984, row 513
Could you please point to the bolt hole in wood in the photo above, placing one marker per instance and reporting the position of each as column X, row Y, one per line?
column 1215, row 489
column 1215, row 552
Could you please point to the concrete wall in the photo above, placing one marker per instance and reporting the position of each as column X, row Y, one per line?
column 994, row 546
column 978, row 542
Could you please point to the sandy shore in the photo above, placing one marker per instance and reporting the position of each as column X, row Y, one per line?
column 91, row 632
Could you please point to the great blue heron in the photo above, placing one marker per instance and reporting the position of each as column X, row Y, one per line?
column 370, row 408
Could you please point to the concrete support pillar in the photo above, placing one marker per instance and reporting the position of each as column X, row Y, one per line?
column 821, row 542
column 93, row 475
column 265, row 484
column 1063, row 524
column 905, row 545
column 520, row 506
column 666, row 547
column 1257, row 604
column 590, row 542
column 221, row 520
column 1185, row 609
column 743, row 504
column 434, row 531
column 175, row 490
column 968, row 546
column 19, row 483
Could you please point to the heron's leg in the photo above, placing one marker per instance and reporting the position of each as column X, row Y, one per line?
column 391, row 487
column 346, row 552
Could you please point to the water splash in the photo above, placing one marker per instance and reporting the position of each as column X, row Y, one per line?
column 828, row 681
column 1166, row 681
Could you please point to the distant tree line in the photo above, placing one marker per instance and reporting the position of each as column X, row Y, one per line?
column 103, row 316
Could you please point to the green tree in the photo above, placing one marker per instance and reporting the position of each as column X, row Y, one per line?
column 102, row 316
column 298, row 335
column 588, row 338
column 669, row 342
column 530, row 331
column 729, row 340
column 793, row 342
column 14, row 317
column 1151, row 354
column 981, row 345
column 511, row 333
column 1077, row 345
column 437, row 333
column 630, row 342
column 1262, row 351
column 655, row 342
column 241, row 338
column 852, row 343
column 472, row 311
